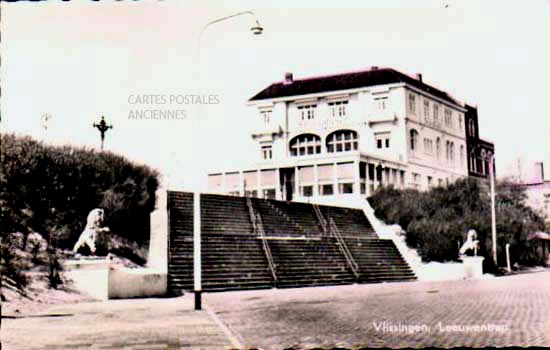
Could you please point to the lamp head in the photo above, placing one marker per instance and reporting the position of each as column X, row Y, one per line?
column 257, row 29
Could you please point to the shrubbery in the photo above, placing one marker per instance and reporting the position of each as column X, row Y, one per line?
column 436, row 221
column 48, row 191
column 51, row 190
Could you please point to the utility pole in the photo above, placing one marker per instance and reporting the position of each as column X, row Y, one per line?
column 102, row 127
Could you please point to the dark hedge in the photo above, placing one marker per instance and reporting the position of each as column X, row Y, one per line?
column 50, row 190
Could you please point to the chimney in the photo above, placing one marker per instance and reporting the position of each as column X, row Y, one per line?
column 288, row 79
column 374, row 68
column 419, row 77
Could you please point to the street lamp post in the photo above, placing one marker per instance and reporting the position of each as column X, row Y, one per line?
column 493, row 216
column 197, row 270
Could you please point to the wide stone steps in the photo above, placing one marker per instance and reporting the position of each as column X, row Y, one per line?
column 233, row 257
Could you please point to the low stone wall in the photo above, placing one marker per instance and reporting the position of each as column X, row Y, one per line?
column 99, row 280
column 136, row 283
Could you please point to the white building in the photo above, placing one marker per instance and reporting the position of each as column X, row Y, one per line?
column 347, row 134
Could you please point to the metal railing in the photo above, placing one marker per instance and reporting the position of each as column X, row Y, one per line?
column 321, row 218
column 330, row 227
column 258, row 226
column 344, row 248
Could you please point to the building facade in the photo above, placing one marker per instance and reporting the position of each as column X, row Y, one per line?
column 480, row 152
column 347, row 134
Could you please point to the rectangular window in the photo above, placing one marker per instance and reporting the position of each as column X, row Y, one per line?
column 265, row 116
column 429, row 181
column 232, row 180
column 215, row 182
column 307, row 191
column 381, row 103
column 326, row 190
column 268, row 193
column 268, row 178
column 338, row 108
column 267, row 152
column 412, row 103
column 345, row 170
column 252, row 193
column 426, row 111
column 382, row 140
column 325, row 172
column 448, row 118
column 436, row 114
column 345, row 187
column 250, row 179
column 307, row 112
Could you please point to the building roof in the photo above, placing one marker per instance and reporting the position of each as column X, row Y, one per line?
column 345, row 81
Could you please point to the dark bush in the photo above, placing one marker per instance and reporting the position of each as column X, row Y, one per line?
column 51, row 190
column 436, row 221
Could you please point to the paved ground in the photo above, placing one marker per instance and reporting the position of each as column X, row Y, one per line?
column 441, row 314
column 393, row 315
column 143, row 324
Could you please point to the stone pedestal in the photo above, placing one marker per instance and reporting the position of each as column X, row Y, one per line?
column 95, row 277
column 473, row 266
column 89, row 275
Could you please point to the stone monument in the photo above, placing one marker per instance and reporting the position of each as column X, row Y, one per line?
column 88, row 237
column 98, row 277
column 473, row 265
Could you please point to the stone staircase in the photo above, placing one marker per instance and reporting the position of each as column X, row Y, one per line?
column 309, row 262
column 229, row 262
column 378, row 260
column 233, row 256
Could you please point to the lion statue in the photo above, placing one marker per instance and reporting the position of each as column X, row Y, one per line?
column 88, row 237
column 471, row 243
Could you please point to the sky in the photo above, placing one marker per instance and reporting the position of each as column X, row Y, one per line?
column 77, row 61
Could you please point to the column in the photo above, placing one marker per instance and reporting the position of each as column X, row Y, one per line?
column 356, row 178
column 296, row 182
column 335, row 178
column 315, row 181
column 367, row 180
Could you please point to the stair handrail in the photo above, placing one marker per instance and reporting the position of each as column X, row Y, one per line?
column 321, row 218
column 265, row 245
column 259, row 231
column 344, row 247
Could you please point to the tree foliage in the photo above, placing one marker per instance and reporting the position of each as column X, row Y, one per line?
column 51, row 190
column 436, row 221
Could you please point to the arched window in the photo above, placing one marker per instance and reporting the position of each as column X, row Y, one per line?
column 448, row 151
column 471, row 128
column 473, row 161
column 438, row 148
column 483, row 162
column 342, row 141
column 305, row 144
column 414, row 139
column 462, row 156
